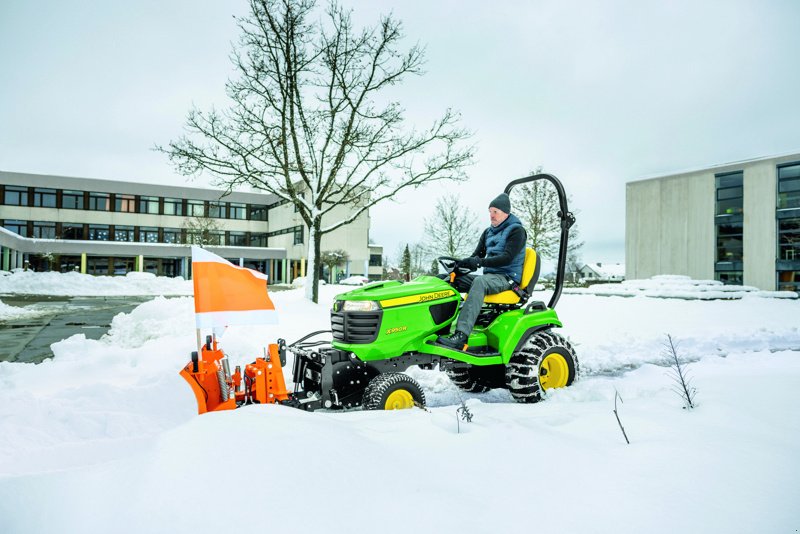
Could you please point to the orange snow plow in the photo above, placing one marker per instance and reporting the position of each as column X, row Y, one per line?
column 216, row 388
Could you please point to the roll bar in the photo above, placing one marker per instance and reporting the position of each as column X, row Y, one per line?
column 567, row 220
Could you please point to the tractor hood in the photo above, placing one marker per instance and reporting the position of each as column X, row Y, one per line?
column 393, row 293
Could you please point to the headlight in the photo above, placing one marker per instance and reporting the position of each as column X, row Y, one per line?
column 360, row 305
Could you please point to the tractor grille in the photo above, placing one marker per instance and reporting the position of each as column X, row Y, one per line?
column 355, row 327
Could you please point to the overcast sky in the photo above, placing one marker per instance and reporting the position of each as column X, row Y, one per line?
column 597, row 93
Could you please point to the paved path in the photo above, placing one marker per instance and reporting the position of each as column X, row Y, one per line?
column 29, row 340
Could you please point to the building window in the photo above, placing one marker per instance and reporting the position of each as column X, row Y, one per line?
column 216, row 210
column 195, row 208
column 148, row 234
column 15, row 196
column 99, row 201
column 789, row 239
column 44, row 230
column 298, row 235
column 258, row 240
column 44, row 198
column 729, row 242
column 72, row 231
column 18, row 227
column 99, row 232
column 172, row 235
column 237, row 239
column 123, row 233
column 257, row 213
column 173, row 206
column 72, row 200
column 125, row 203
column 375, row 260
column 237, row 211
column 148, row 205
column 730, row 193
column 729, row 221
column 789, row 186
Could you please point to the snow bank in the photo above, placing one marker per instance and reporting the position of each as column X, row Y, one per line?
column 678, row 287
column 76, row 284
column 107, row 433
column 8, row 313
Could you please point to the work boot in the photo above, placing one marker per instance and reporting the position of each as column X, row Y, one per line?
column 457, row 341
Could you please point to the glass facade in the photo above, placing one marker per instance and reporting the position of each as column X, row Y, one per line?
column 195, row 208
column 125, row 203
column 18, row 227
column 123, row 233
column 148, row 205
column 15, row 196
column 44, row 198
column 99, row 232
column 148, row 234
column 173, row 206
column 99, row 201
column 72, row 200
column 44, row 230
column 237, row 211
column 729, row 223
column 216, row 210
column 787, row 216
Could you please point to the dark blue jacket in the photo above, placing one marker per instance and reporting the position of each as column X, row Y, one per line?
column 503, row 248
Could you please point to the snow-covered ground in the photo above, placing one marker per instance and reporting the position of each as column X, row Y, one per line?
column 105, row 435
column 21, row 282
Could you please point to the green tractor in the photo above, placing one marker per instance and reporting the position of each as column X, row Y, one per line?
column 382, row 329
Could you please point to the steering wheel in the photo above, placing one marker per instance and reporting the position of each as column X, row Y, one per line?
column 449, row 263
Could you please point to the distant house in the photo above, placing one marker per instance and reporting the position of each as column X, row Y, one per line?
column 600, row 272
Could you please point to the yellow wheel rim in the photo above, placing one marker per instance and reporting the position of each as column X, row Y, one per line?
column 554, row 371
column 399, row 400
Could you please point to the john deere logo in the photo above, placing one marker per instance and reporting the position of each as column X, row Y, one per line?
column 416, row 299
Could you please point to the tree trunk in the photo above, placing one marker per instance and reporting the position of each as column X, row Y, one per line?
column 314, row 257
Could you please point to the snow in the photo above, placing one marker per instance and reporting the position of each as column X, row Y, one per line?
column 680, row 287
column 354, row 281
column 8, row 313
column 106, row 433
column 77, row 284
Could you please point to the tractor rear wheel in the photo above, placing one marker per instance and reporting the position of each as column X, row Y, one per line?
column 545, row 361
column 393, row 391
column 477, row 379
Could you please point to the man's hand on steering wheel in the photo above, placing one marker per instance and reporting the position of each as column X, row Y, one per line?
column 469, row 264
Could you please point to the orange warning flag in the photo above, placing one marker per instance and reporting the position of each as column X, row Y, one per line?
column 225, row 294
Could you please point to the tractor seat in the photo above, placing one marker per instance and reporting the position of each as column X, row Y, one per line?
column 530, row 274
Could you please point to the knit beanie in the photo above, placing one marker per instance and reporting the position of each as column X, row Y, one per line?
column 502, row 202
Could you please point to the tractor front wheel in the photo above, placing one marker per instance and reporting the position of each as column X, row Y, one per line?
column 393, row 391
column 545, row 361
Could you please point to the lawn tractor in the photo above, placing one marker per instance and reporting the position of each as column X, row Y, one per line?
column 380, row 330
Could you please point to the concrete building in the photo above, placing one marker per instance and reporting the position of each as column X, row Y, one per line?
column 738, row 223
column 111, row 227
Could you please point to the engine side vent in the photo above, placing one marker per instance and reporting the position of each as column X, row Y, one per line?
column 442, row 312
column 356, row 327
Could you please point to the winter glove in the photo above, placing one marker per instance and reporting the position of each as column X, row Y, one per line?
column 469, row 263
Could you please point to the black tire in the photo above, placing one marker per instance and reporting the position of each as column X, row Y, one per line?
column 477, row 379
column 383, row 388
column 527, row 379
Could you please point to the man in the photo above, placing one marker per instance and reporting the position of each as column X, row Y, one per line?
column 501, row 253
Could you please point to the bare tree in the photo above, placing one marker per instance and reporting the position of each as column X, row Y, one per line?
column 536, row 204
column 332, row 259
column 310, row 120
column 453, row 229
column 202, row 231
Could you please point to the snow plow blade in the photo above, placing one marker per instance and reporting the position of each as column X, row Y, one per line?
column 216, row 388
